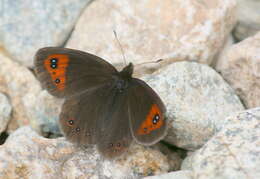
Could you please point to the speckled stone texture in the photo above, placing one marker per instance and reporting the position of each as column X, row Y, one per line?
column 232, row 153
column 31, row 105
column 197, row 100
column 248, row 19
column 240, row 67
column 155, row 29
column 205, row 78
column 27, row 25
column 183, row 174
column 5, row 112
column 25, row 154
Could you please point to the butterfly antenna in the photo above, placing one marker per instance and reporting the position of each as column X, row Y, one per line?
column 121, row 48
column 157, row 61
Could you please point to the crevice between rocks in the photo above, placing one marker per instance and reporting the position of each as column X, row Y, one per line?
column 3, row 137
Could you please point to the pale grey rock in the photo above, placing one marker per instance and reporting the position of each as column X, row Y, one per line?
column 44, row 110
column 240, row 67
column 138, row 162
column 234, row 152
column 152, row 30
column 248, row 19
column 19, row 81
column 174, row 156
column 27, row 25
column 25, row 154
column 197, row 100
column 182, row 174
column 31, row 105
column 218, row 63
column 5, row 112
column 187, row 162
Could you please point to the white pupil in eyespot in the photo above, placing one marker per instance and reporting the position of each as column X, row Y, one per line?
column 156, row 118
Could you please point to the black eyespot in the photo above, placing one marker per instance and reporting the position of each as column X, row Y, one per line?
column 57, row 80
column 77, row 129
column 71, row 122
column 53, row 65
column 54, row 60
column 156, row 118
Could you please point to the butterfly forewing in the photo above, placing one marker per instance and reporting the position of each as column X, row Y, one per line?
column 66, row 72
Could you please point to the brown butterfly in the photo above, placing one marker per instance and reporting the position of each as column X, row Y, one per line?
column 102, row 105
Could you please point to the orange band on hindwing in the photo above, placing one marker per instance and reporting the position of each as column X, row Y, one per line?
column 153, row 121
column 56, row 65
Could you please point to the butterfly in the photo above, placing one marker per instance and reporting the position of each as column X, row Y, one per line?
column 103, row 106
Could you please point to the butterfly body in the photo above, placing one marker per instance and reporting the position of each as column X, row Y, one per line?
column 102, row 105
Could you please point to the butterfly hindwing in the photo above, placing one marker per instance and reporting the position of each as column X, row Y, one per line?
column 98, row 117
column 65, row 72
column 115, row 127
column 146, row 113
column 81, row 115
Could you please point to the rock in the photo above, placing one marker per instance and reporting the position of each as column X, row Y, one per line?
column 240, row 67
column 5, row 112
column 248, row 19
column 190, row 30
column 31, row 105
column 216, row 63
column 197, row 101
column 138, row 162
column 27, row 25
column 44, row 111
column 187, row 162
column 174, row 156
column 183, row 174
column 25, row 154
column 234, row 152
column 3, row 86
column 19, row 81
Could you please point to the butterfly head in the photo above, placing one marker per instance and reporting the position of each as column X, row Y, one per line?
column 127, row 71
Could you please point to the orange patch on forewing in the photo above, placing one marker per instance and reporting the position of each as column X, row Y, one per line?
column 59, row 72
column 148, row 126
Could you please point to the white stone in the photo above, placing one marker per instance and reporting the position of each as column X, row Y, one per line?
column 31, row 105
column 152, row 30
column 25, row 154
column 240, row 67
column 27, row 25
column 197, row 100
column 234, row 152
column 182, row 174
column 5, row 112
column 248, row 19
